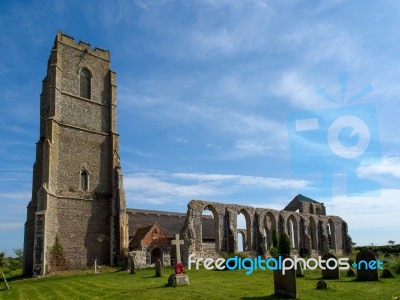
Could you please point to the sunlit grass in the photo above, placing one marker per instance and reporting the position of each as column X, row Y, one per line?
column 204, row 284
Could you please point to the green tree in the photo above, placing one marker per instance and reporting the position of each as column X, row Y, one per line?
column 391, row 242
column 274, row 238
column 284, row 244
column 2, row 259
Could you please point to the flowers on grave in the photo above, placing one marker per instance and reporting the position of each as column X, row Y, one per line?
column 179, row 268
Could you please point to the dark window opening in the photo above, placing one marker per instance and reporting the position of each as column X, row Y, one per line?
column 85, row 78
column 84, row 181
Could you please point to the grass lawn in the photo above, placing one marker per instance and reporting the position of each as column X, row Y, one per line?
column 204, row 284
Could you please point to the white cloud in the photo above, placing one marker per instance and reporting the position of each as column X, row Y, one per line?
column 163, row 188
column 294, row 87
column 389, row 166
column 365, row 213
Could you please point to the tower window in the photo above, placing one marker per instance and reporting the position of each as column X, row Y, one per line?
column 84, row 180
column 85, row 78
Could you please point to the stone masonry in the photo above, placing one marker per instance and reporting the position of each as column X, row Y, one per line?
column 77, row 193
column 78, row 197
column 317, row 234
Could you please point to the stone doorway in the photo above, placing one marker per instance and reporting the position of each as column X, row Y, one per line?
column 156, row 253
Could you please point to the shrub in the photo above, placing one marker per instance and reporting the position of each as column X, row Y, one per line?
column 57, row 256
column 304, row 252
column 242, row 255
column 274, row 238
column 273, row 251
column 396, row 266
column 284, row 244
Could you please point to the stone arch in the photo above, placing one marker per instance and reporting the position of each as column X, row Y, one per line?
column 241, row 240
column 270, row 227
column 312, row 232
column 330, row 229
column 215, row 230
column 293, row 231
column 247, row 236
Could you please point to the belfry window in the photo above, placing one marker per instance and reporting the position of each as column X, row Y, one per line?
column 85, row 83
column 84, row 180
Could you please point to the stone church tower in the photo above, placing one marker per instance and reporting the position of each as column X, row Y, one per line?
column 78, row 199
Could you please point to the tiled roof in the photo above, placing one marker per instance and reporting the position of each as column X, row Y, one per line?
column 169, row 222
column 302, row 198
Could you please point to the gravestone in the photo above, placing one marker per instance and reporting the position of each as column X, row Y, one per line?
column 299, row 270
column 364, row 270
column 178, row 278
column 133, row 265
column 351, row 273
column 158, row 268
column 331, row 261
column 285, row 284
column 322, row 285
column 386, row 273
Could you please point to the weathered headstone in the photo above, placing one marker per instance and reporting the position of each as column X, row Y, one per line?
column 285, row 284
column 299, row 270
column 386, row 274
column 178, row 279
column 158, row 268
column 133, row 265
column 366, row 266
column 5, row 281
column 322, row 285
column 351, row 273
column 330, row 262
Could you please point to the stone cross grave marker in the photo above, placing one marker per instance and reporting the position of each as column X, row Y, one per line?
column 177, row 242
column 330, row 259
column 364, row 270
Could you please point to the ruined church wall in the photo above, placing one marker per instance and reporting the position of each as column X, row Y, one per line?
column 309, row 232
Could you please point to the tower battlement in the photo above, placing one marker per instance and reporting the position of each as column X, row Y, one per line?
column 81, row 45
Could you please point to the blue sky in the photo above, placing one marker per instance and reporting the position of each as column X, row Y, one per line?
column 208, row 94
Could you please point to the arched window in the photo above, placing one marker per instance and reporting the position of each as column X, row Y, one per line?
column 85, row 78
column 84, row 180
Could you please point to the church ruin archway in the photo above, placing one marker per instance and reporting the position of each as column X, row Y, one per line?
column 270, row 228
column 330, row 229
column 243, row 230
column 293, row 232
column 210, row 229
column 312, row 232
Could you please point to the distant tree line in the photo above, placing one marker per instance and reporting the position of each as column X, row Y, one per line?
column 385, row 249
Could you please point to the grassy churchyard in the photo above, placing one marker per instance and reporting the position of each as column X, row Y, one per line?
column 204, row 284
